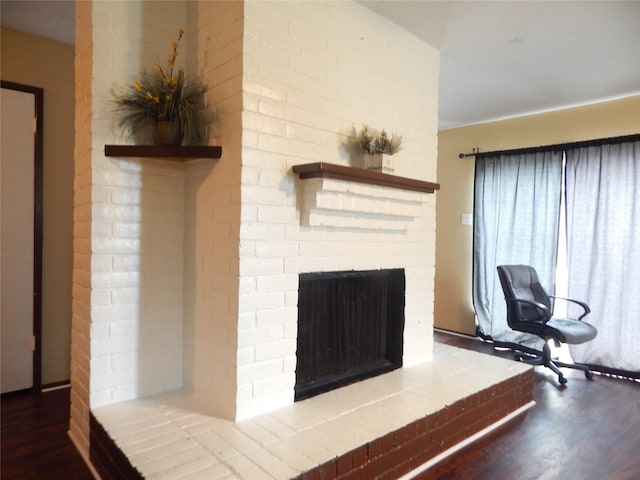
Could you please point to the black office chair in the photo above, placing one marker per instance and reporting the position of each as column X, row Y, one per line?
column 530, row 309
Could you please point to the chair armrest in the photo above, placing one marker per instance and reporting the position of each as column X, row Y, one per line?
column 584, row 306
column 539, row 306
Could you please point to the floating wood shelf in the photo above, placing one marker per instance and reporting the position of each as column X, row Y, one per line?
column 174, row 152
column 351, row 174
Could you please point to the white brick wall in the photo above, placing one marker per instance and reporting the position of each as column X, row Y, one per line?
column 137, row 241
column 212, row 217
column 328, row 202
column 128, row 258
column 313, row 70
column 187, row 275
column 81, row 291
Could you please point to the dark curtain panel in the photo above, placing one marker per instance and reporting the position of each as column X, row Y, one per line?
column 516, row 218
column 603, row 226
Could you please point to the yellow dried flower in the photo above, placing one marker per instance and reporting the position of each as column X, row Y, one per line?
column 164, row 94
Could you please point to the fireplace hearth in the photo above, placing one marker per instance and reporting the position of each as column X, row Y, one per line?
column 350, row 327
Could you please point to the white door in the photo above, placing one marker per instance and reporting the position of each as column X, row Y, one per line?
column 17, row 151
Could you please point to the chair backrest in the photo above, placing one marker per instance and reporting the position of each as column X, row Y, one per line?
column 521, row 282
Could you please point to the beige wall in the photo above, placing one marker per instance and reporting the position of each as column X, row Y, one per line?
column 48, row 64
column 453, row 302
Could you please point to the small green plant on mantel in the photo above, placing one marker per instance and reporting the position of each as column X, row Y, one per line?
column 373, row 141
column 164, row 100
column 378, row 147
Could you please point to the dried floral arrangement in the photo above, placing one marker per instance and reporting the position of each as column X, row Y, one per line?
column 164, row 96
column 374, row 141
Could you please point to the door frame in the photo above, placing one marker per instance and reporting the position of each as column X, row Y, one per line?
column 38, row 150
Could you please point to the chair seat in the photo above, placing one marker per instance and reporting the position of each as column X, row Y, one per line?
column 574, row 331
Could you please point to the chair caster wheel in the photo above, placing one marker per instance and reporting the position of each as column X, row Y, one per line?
column 562, row 380
column 588, row 374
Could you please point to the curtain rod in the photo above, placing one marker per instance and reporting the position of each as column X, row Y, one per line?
column 473, row 153
column 547, row 148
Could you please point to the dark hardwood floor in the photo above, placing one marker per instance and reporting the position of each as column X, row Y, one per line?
column 586, row 430
column 34, row 441
column 582, row 431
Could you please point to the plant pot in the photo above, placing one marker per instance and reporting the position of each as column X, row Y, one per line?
column 379, row 162
column 167, row 132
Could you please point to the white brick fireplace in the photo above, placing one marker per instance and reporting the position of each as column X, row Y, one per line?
column 186, row 274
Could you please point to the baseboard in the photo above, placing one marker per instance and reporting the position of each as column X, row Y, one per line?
column 50, row 387
column 457, row 334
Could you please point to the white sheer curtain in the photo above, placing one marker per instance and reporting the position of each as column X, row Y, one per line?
column 516, row 215
column 603, row 230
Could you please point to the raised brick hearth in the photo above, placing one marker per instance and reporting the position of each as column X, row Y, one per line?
column 383, row 427
column 418, row 442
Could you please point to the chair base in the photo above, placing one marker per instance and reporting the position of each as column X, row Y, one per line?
column 546, row 360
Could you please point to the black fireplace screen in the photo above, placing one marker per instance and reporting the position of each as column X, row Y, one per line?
column 350, row 327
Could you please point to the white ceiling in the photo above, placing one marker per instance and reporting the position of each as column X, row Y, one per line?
column 51, row 18
column 511, row 58
column 499, row 59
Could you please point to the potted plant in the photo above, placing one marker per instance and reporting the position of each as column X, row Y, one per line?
column 378, row 147
column 164, row 100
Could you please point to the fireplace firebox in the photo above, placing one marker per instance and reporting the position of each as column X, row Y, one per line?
column 350, row 327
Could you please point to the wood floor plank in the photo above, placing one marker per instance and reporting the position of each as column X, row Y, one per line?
column 584, row 430
column 34, row 441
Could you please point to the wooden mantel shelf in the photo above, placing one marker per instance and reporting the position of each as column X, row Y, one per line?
column 351, row 174
column 175, row 152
